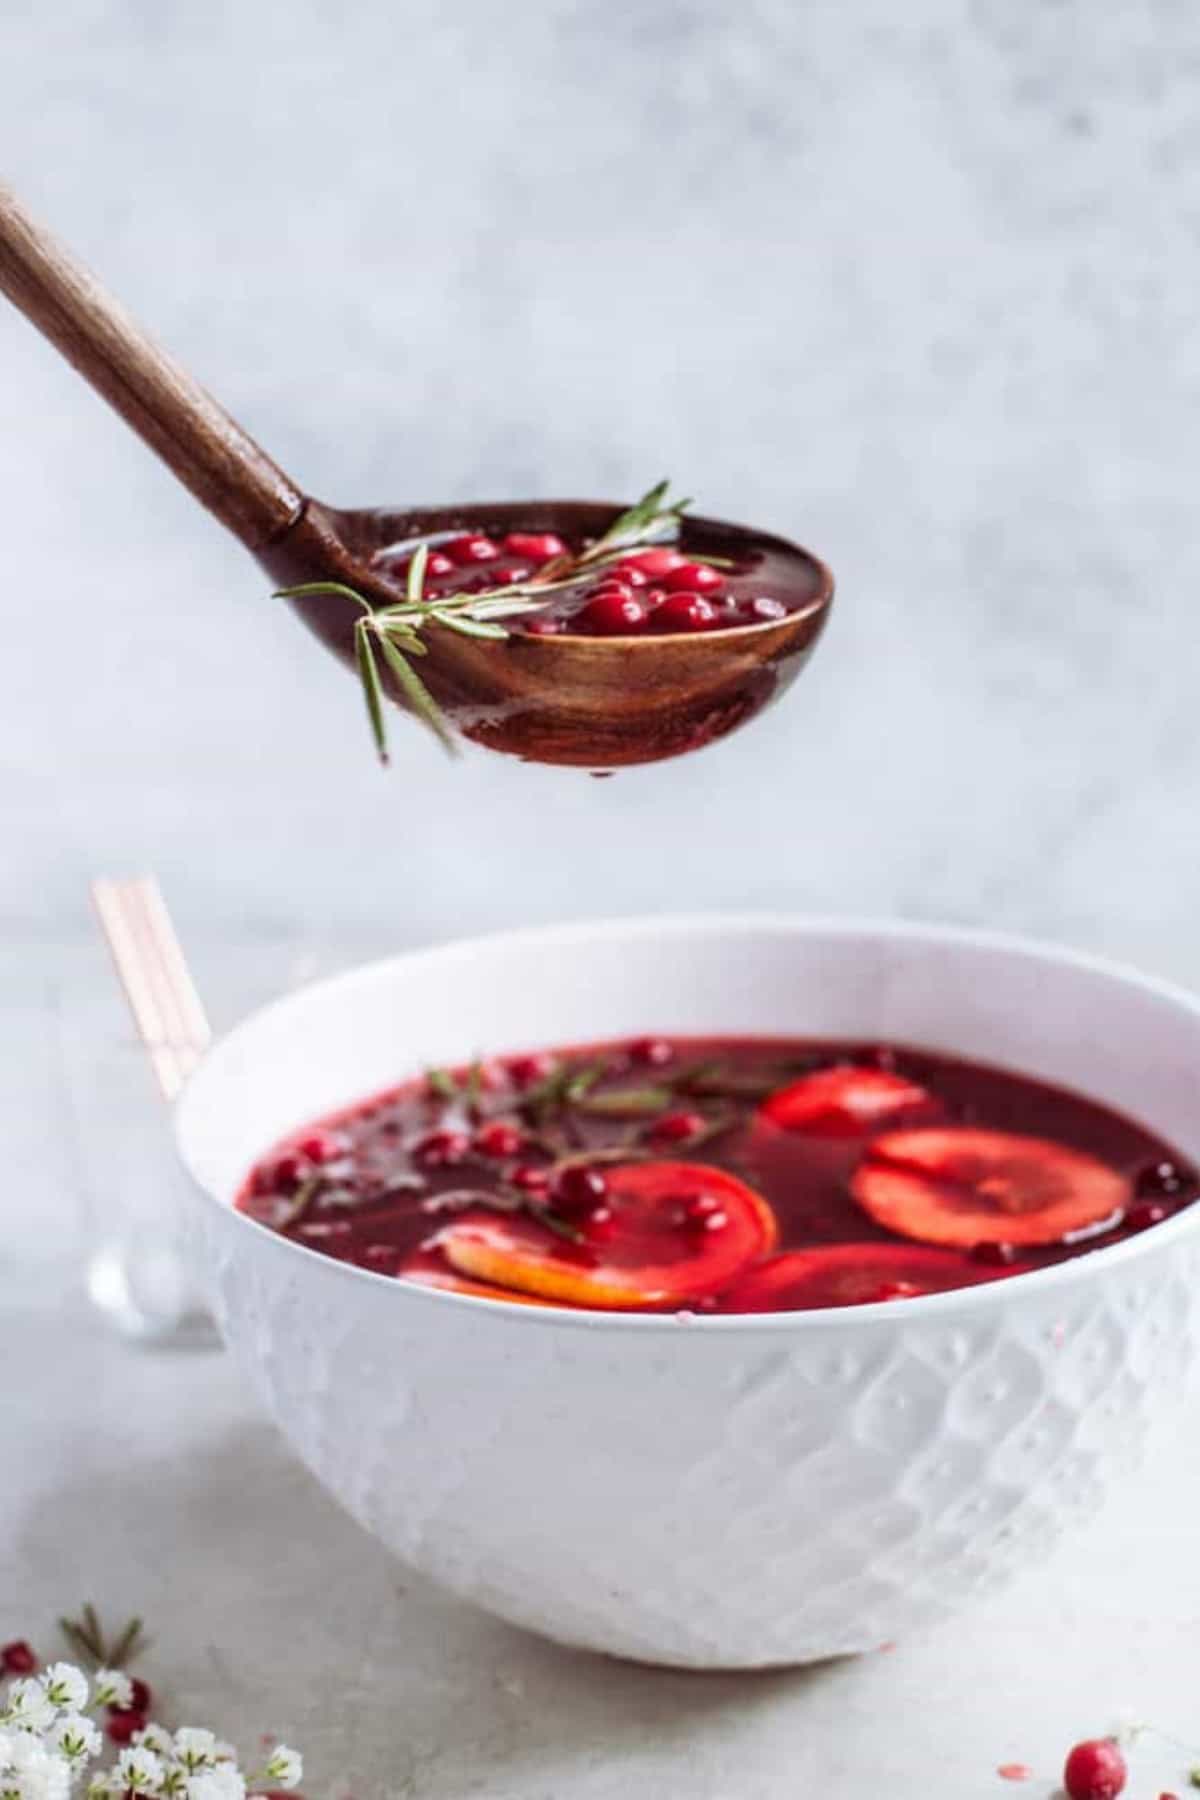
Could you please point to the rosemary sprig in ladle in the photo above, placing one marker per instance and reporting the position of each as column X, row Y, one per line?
column 596, row 702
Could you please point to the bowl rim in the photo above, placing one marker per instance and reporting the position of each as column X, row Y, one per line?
column 878, row 1314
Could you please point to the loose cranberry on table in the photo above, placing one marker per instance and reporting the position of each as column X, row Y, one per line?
column 18, row 1658
column 123, row 1724
column 1095, row 1770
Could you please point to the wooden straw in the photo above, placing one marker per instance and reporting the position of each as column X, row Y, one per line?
column 154, row 975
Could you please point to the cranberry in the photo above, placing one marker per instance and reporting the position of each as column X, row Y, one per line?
column 530, row 1179
column 694, row 578
column 601, row 1222
column 511, row 576
column 437, row 565
column 994, row 1256
column 621, row 590
column 630, row 576
column 286, row 1175
column 1095, row 1770
column 651, row 1052
column 526, row 1070
column 124, row 1722
column 685, row 612
column 1162, row 1178
column 142, row 1698
column 471, row 548
column 499, row 1139
column 655, row 563
column 612, row 615
column 541, row 625
column 322, row 1147
column 672, row 1127
column 653, row 598
column 537, row 546
column 18, row 1658
column 579, row 1188
column 442, row 1149
column 1144, row 1213
column 762, row 608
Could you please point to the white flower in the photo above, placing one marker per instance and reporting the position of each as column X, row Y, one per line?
column 28, row 1706
column 224, row 1753
column 154, row 1737
column 138, row 1770
column 65, row 1685
column 100, row 1787
column 34, row 1773
column 113, row 1688
column 76, row 1738
column 217, row 1784
column 285, row 1768
column 195, row 1749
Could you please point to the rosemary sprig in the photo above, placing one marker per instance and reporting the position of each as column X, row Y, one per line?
column 303, row 1198
column 624, row 1103
column 393, row 631
column 87, row 1639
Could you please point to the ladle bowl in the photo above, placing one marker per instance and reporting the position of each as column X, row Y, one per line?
column 595, row 702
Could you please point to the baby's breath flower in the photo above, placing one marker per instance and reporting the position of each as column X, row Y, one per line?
column 224, row 1753
column 222, row 1783
column 139, row 1771
column 285, row 1768
column 99, row 1787
column 195, row 1749
column 33, row 1772
column 156, row 1738
column 66, row 1686
column 113, row 1688
column 76, row 1738
column 28, row 1707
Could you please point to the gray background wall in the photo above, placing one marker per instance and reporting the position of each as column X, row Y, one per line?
column 916, row 284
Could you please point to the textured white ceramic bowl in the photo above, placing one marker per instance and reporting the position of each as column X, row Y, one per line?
column 731, row 1492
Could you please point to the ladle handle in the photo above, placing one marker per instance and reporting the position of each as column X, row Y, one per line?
column 182, row 424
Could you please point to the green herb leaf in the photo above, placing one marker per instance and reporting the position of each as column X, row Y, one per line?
column 441, row 1083
column 545, row 1215
column 416, row 574
column 473, row 1085
column 372, row 690
column 416, row 693
column 87, row 1638
column 625, row 1103
column 304, row 1196
column 650, row 516
column 465, row 626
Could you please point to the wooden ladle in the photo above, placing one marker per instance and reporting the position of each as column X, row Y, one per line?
column 597, row 702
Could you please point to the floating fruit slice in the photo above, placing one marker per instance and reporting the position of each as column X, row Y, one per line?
column 673, row 1232
column 429, row 1271
column 851, row 1275
column 970, row 1187
column 842, row 1099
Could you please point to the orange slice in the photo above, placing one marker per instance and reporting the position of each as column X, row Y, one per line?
column 666, row 1234
column 842, row 1100
column 966, row 1186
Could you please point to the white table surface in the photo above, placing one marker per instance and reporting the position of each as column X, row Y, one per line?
column 147, row 1481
